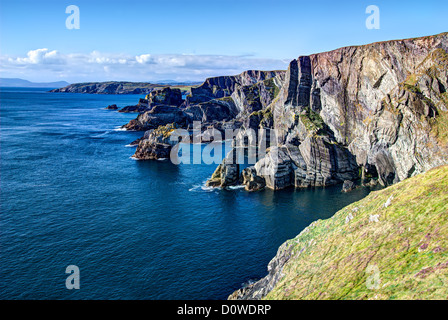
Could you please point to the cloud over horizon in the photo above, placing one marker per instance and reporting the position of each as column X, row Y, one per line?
column 43, row 64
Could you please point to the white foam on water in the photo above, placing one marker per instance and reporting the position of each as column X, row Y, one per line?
column 101, row 134
column 131, row 145
column 209, row 189
column 236, row 187
column 120, row 129
column 203, row 188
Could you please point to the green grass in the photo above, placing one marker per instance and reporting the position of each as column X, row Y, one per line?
column 312, row 121
column 273, row 89
column 408, row 246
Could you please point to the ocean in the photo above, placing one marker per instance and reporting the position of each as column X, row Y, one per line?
column 72, row 195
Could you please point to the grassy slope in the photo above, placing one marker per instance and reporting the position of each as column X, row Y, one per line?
column 336, row 258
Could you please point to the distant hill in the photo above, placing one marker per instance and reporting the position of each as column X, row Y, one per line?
column 179, row 83
column 118, row 87
column 16, row 82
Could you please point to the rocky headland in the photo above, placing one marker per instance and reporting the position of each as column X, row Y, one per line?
column 116, row 87
column 375, row 113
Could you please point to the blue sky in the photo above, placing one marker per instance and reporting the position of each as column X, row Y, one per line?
column 190, row 40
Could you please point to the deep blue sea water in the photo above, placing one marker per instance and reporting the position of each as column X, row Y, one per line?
column 70, row 194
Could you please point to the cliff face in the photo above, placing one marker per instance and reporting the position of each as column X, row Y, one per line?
column 220, row 102
column 382, row 101
column 390, row 245
column 376, row 111
column 224, row 86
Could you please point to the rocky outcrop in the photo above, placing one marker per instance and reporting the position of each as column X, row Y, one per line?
column 159, row 115
column 222, row 109
column 166, row 96
column 252, row 181
column 229, row 97
column 148, row 150
column 227, row 173
column 156, row 143
column 256, row 97
column 163, row 97
column 262, row 287
column 111, row 107
column 212, row 102
column 133, row 109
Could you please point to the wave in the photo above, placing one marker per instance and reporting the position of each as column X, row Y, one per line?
column 101, row 134
column 236, row 187
column 203, row 188
column 131, row 145
column 120, row 129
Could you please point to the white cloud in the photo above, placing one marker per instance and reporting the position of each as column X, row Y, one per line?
column 47, row 65
column 38, row 56
column 143, row 58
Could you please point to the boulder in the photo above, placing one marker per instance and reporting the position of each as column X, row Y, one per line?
column 112, row 107
column 348, row 186
column 251, row 180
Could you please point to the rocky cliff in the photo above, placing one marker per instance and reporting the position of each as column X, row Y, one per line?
column 374, row 111
column 376, row 101
column 390, row 245
column 220, row 103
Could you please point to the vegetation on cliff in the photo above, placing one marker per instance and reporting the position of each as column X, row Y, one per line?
column 390, row 245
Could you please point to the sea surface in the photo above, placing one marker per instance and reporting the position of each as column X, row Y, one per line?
column 72, row 195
